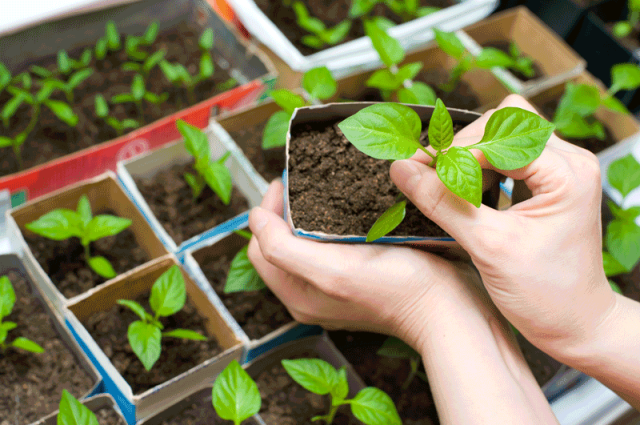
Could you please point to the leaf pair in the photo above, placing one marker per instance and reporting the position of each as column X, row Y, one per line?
column 321, row 34
column 102, row 111
column 133, row 43
column 138, row 93
column 67, row 64
column 168, row 296
column 7, row 301
column 242, row 276
column 408, row 9
column 109, row 42
column 61, row 224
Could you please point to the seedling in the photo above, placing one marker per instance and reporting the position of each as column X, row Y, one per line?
column 110, row 41
column 71, row 411
column 133, row 43
column 7, row 301
column 512, row 139
column 145, row 67
column 138, row 94
column 66, row 64
column 624, row 28
column 321, row 35
column 407, row 9
column 242, row 276
column 5, row 77
column 396, row 348
column 371, row 405
column 318, row 83
column 102, row 111
column 62, row 223
column 235, row 396
column 520, row 62
column 574, row 116
column 168, row 295
column 210, row 173
column 394, row 82
column 69, row 86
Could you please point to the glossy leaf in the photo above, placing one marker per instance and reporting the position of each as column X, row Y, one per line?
column 336, row 34
column 340, row 389
column 622, row 242
column 624, row 76
column 195, row 141
column 389, row 49
column 312, row 41
column 418, row 94
column 104, row 225
column 101, row 48
column 206, row 40
column 185, row 334
column 218, row 178
column 581, row 99
column 145, row 341
column 112, row 36
column 64, row 63
column 102, row 109
column 150, row 34
column 84, row 210
column 168, row 293
column 490, row 57
column 388, row 221
column 409, row 71
column 135, row 307
column 137, row 87
column 319, row 83
column 275, row 132
column 58, row 225
column 396, row 348
column 384, row 131
column 102, row 267
column 287, row 100
column 440, row 127
column 374, row 407
column 460, row 172
column 383, row 23
column 611, row 266
column 449, row 43
column 242, row 276
column 72, row 412
column 384, row 79
column 314, row 375
column 235, row 395
column 7, row 297
column 27, row 345
column 623, row 174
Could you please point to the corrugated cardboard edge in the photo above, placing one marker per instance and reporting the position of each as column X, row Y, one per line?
column 94, row 404
column 153, row 162
column 40, row 278
column 335, row 110
column 136, row 407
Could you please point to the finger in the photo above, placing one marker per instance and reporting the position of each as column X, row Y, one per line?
column 273, row 200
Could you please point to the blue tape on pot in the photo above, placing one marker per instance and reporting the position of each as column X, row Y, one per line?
column 293, row 334
column 230, row 225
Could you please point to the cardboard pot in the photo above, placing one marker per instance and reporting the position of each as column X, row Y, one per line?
column 95, row 404
column 104, row 193
column 129, row 286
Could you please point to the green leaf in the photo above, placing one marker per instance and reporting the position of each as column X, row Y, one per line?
column 206, row 66
column 312, row 41
column 155, row 99
column 384, row 131
column 5, row 327
column 383, row 23
column 137, row 87
column 5, row 142
column 623, row 242
column 102, row 267
column 275, row 132
column 47, row 88
column 7, row 297
column 629, row 214
column 615, row 287
column 235, row 395
column 460, row 172
column 490, row 57
column 77, row 78
column 101, row 48
column 384, row 79
column 389, row 49
column 206, row 40
column 396, row 348
column 130, row 123
column 72, row 412
column 195, row 141
column 388, row 221
column 374, row 407
column 135, row 307
column 573, row 126
column 314, row 375
column 623, row 174
column 112, row 36
column 38, row 70
column 513, row 138
column 622, row 29
column 63, row 111
column 168, row 293
column 122, row 98
column 418, row 94
column 287, row 100
column 58, row 225
column 624, row 76
column 196, row 183
column 581, row 99
column 27, row 345
column 102, row 109
column 242, row 276
column 153, row 60
column 361, row 7
column 218, row 178
column 319, row 83
column 611, row 266
column 12, row 106
column 245, row 234
column 450, row 43
column 145, row 342
column 185, row 334
column 150, row 34
column 103, row 225
column 305, row 21
column 336, row 34
column 5, row 76
column 84, row 210
column 341, row 388
column 85, row 58
column 440, row 127
column 409, row 71
column 169, row 71
column 64, row 64
column 612, row 103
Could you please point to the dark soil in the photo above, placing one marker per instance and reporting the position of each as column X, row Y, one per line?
column 269, row 163
column 109, row 330
column 586, row 3
column 52, row 138
column 258, row 313
column 171, row 200
column 336, row 189
column 331, row 13
column 32, row 384
column 504, row 46
column 284, row 402
column 592, row 144
column 65, row 263
column 108, row 416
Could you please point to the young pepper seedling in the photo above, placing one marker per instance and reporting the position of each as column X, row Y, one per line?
column 168, row 296
column 624, row 28
column 102, row 111
column 138, row 94
column 320, row 35
column 62, row 223
column 406, row 9
column 7, row 301
column 235, row 396
column 109, row 42
column 242, row 276
column 396, row 348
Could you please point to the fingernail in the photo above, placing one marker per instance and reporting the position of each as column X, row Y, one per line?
column 406, row 174
column 259, row 218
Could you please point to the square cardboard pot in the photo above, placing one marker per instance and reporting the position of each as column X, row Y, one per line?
column 247, row 65
column 129, row 286
column 229, row 244
column 149, row 165
column 103, row 192
column 552, row 54
column 95, row 404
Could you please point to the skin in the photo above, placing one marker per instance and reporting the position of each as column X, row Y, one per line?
column 553, row 289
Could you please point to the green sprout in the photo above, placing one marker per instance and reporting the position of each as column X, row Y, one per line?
column 235, row 396
column 243, row 277
column 318, row 83
column 209, row 172
column 62, row 223
column 407, row 9
column 574, row 116
column 145, row 67
column 7, row 301
column 102, row 111
column 371, row 406
column 71, row 411
column 109, row 42
column 396, row 348
column 624, row 28
column 320, row 34
column 5, row 77
column 74, row 81
column 138, row 94
column 394, row 81
column 133, row 43
column 66, row 64
column 168, row 296
column 520, row 62
column 512, row 139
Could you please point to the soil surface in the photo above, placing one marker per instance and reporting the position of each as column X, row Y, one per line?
column 258, row 312
column 284, row 402
column 331, row 13
column 171, row 201
column 269, row 163
column 32, row 384
column 504, row 46
column 108, row 416
column 336, row 189
column 109, row 330
column 52, row 138
column 65, row 263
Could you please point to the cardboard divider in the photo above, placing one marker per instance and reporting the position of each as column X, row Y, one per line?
column 129, row 285
column 146, row 166
column 551, row 53
column 94, row 404
column 104, row 193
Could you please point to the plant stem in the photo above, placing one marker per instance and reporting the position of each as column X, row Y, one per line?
column 332, row 414
column 433, row 157
column 70, row 96
column 18, row 154
column 191, row 95
column 140, row 111
column 32, row 124
column 414, row 369
column 87, row 253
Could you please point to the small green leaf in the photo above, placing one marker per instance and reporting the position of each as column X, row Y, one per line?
column 611, row 266
column 490, row 57
column 218, row 178
column 384, row 79
column 129, row 123
column 137, row 87
column 384, row 131
column 85, row 58
column 5, row 327
column 622, row 242
column 624, row 76
column 169, row 71
column 409, row 71
column 185, row 334
column 84, row 210
column 38, row 70
column 64, row 64
column 72, row 412
column 235, row 395
column 153, row 60
column 135, row 307
column 122, row 98
column 150, row 34
column 77, row 78
column 513, row 138
column 102, row 109
column 612, row 103
column 102, row 267
column 623, row 174
column 312, row 41
column 58, row 225
column 12, row 106
column 5, row 142
column 5, row 76
column 450, row 43
column 155, row 99
column 314, row 375
column 341, row 388
column 389, row 49
column 27, row 345
column 275, row 132
column 574, row 126
column 103, row 225
column 374, row 407
column 615, row 287
column 168, row 293
column 196, row 183
column 418, row 94
column 206, row 66
column 112, row 36
column 581, row 99
column 195, row 141
column 206, row 40
column 7, row 297
column 245, row 234
column 388, row 221
column 628, row 214
column 440, row 127
column 336, row 34
column 101, row 48
column 622, row 29
column 145, row 340
column 306, row 21
column 287, row 100
column 396, row 348
column 460, row 172
column 242, row 276
column 63, row 111
column 383, row 23
column 319, row 83
column 361, row 7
